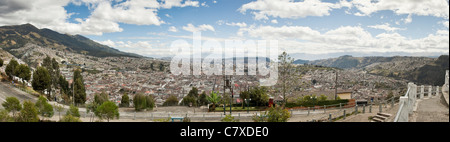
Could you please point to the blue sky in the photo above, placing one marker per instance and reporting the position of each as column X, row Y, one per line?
column 309, row 29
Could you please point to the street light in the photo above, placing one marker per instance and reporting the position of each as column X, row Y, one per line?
column 314, row 103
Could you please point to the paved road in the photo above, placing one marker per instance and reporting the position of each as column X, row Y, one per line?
column 7, row 90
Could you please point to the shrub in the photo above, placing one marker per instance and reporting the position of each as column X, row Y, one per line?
column 229, row 118
column 70, row 118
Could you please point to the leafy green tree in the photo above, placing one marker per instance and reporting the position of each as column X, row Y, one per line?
column 12, row 104
column 108, row 110
column 288, row 75
column 44, row 108
column 150, row 102
column 101, row 98
column 10, row 68
column 4, row 116
column 214, row 99
column 142, row 102
column 73, row 110
column 189, row 101
column 41, row 79
column 202, row 99
column 259, row 96
column 79, row 88
column 29, row 112
column 64, row 88
column 244, row 95
column 229, row 118
column 23, row 71
column 278, row 115
column 70, row 118
column 59, row 109
column 171, row 101
column 125, row 102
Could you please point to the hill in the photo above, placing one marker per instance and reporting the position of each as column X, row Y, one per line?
column 432, row 73
column 14, row 37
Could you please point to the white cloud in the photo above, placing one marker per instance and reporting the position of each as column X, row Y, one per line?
column 386, row 27
column 298, row 39
column 408, row 19
column 204, row 27
column 445, row 23
column 261, row 9
column 104, row 17
column 173, row 29
column 274, row 21
column 437, row 8
column 243, row 24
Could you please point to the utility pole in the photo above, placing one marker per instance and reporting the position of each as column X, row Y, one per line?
column 335, row 86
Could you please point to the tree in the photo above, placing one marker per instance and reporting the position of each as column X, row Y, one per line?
column 278, row 115
column 202, row 99
column 73, row 110
column 12, row 104
column 10, row 68
column 214, row 99
column 4, row 116
column 244, row 95
column 44, row 108
column 171, row 101
column 189, row 101
column 79, row 88
column 288, row 75
column 59, row 108
column 125, row 102
column 29, row 112
column 108, row 110
column 41, row 79
column 142, row 102
column 259, row 96
column 64, row 87
column 23, row 71
column 101, row 98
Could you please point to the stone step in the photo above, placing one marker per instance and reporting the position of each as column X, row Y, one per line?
column 384, row 114
column 374, row 119
column 380, row 117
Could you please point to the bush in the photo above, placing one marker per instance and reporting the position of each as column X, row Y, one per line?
column 70, row 118
column 73, row 110
column 229, row 118
column 278, row 115
column 312, row 103
column 187, row 119
column 142, row 102
column 4, row 116
column 125, row 102
column 29, row 112
column 171, row 101
column 12, row 104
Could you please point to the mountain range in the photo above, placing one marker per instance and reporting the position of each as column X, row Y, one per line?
column 13, row 37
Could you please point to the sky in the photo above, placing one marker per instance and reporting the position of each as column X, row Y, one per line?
column 307, row 29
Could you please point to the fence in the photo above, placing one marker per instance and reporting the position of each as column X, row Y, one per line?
column 408, row 101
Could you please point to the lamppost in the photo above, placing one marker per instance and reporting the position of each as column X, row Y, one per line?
column 314, row 103
column 248, row 104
